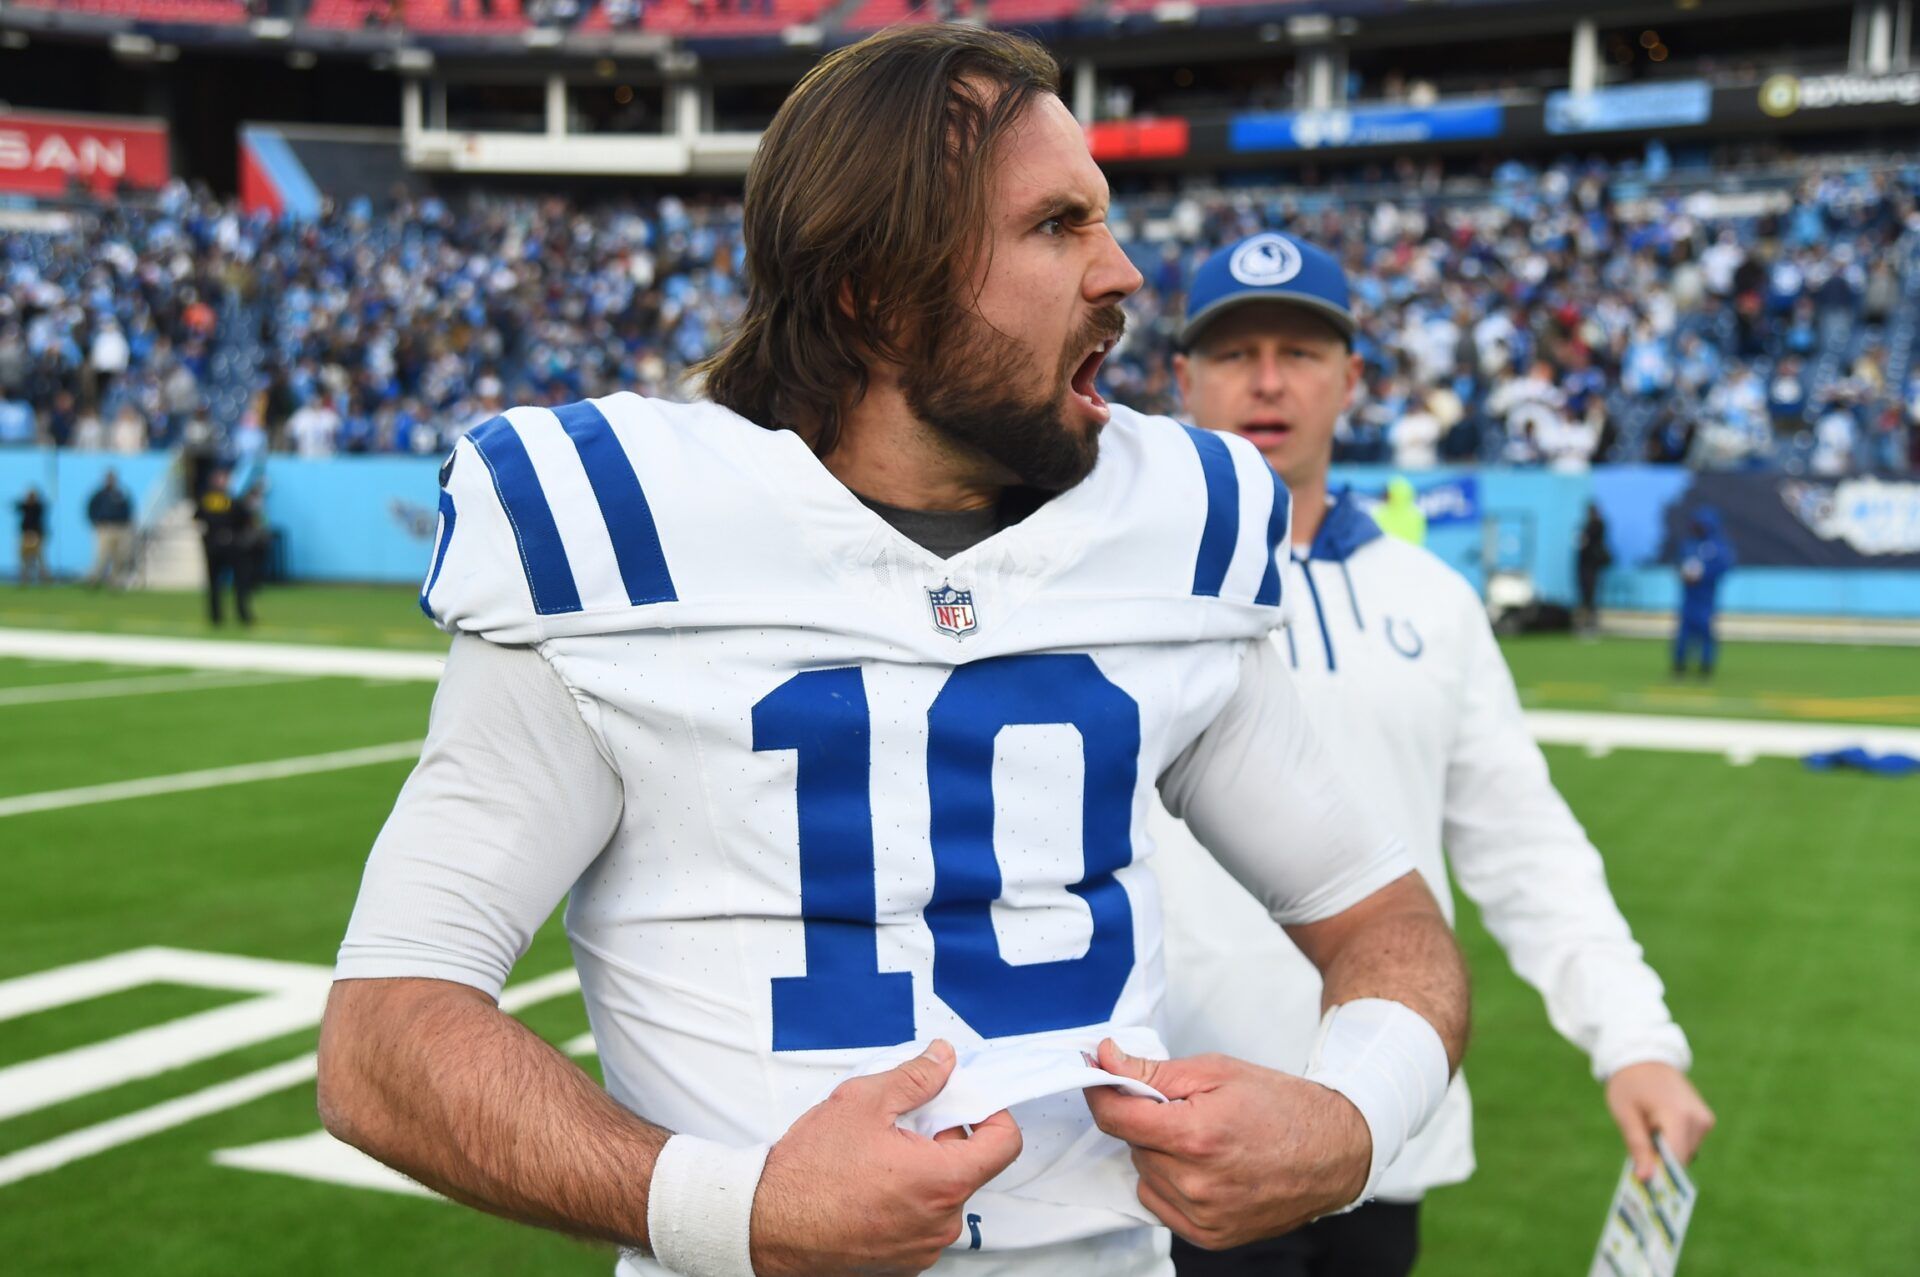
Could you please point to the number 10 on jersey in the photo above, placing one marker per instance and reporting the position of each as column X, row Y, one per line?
column 844, row 1000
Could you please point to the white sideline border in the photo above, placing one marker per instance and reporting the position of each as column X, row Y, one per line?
column 99, row 689
column 212, row 654
column 1738, row 740
column 103, row 1136
column 211, row 778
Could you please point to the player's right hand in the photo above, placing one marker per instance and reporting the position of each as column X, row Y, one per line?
column 848, row 1191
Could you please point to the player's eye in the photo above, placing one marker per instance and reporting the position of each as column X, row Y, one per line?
column 1053, row 226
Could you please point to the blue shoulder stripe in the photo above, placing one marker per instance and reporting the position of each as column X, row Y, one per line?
column 1222, row 530
column 439, row 551
column 1269, row 593
column 629, row 519
column 542, row 555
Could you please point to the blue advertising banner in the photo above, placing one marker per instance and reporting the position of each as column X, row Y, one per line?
column 1446, row 503
column 1365, row 126
column 1628, row 107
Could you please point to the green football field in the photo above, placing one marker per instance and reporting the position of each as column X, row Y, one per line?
column 1780, row 906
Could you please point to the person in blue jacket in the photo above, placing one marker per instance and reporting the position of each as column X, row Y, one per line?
column 1705, row 557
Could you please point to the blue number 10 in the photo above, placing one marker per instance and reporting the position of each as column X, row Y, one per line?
column 844, row 999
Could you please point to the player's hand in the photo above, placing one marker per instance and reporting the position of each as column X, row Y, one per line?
column 1242, row 1153
column 847, row 1191
column 1650, row 1097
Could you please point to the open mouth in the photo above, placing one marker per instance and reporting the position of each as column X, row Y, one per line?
column 1083, row 378
column 1266, row 434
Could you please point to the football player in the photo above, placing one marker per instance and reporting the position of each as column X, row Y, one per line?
column 1401, row 676
column 834, row 707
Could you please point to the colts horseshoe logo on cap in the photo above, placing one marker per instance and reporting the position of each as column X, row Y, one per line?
column 1265, row 260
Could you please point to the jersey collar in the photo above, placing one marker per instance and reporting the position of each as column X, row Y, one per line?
column 1344, row 530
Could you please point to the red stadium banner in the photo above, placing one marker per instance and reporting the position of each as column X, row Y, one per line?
column 52, row 154
column 1138, row 139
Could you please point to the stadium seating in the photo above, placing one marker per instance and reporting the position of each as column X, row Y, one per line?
column 874, row 14
column 465, row 17
column 1148, row 6
column 350, row 15
column 1653, row 348
column 716, row 18
column 430, row 17
column 200, row 12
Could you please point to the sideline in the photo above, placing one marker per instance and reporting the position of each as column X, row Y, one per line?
column 210, row 778
column 141, row 685
column 1737, row 739
column 168, row 1114
column 214, row 654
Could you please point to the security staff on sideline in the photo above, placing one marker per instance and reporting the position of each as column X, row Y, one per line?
column 226, row 532
column 1398, row 669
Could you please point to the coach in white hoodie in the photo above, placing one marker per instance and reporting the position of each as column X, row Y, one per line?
column 1399, row 670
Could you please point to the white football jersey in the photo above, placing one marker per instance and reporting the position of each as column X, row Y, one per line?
column 1397, row 667
column 871, row 796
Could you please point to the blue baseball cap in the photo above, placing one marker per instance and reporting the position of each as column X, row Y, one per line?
column 1268, row 267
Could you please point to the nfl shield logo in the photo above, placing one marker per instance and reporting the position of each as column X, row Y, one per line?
column 952, row 610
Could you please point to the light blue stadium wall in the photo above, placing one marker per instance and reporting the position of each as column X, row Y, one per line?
column 66, row 480
column 372, row 518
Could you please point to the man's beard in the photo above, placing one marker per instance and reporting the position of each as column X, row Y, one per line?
column 968, row 390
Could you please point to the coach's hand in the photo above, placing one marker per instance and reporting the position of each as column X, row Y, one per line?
column 1650, row 1097
column 1242, row 1153
column 847, row 1191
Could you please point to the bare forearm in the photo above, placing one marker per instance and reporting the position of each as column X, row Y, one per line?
column 437, row 1082
column 1408, row 957
column 1395, row 944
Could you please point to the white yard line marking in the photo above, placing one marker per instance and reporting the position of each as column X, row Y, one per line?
column 168, row 1114
column 1667, row 732
column 146, row 685
column 211, row 778
column 1741, row 740
column 318, row 1156
column 212, row 654
column 293, row 995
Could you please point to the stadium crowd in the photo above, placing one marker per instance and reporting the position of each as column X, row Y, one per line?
column 1541, row 321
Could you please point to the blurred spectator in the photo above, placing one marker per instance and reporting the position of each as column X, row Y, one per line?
column 32, row 511
column 1400, row 515
column 1591, row 560
column 1705, row 557
column 228, row 536
column 314, row 428
column 111, row 514
column 1416, row 437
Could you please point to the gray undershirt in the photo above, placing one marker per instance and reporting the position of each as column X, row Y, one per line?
column 943, row 533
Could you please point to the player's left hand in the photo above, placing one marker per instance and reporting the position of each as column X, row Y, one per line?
column 1650, row 1097
column 1241, row 1153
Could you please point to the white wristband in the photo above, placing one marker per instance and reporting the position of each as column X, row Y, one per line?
column 1390, row 1063
column 700, row 1207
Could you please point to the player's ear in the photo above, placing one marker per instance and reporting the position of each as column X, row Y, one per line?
column 1183, row 378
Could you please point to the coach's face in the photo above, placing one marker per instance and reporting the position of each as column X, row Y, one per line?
column 1043, row 297
column 1278, row 376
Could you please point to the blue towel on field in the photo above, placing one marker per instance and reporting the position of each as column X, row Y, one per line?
column 1857, row 759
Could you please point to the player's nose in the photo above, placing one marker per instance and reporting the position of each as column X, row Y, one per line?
column 1269, row 377
column 1113, row 277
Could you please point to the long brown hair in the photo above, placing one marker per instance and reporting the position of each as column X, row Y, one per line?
column 864, row 205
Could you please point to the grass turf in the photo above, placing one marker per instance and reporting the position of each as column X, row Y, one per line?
column 1776, row 903
column 1863, row 684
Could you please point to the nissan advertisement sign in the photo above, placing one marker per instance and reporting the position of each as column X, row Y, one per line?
column 43, row 154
